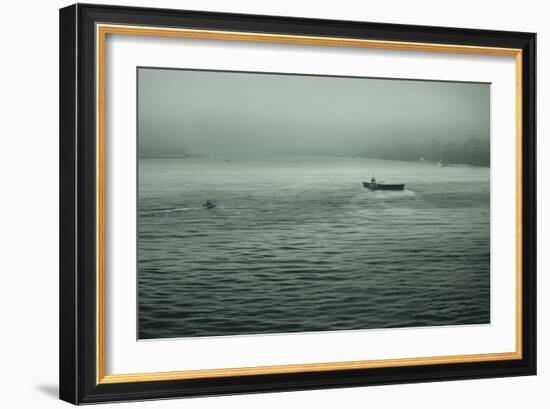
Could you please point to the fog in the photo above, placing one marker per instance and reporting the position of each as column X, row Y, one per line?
column 230, row 114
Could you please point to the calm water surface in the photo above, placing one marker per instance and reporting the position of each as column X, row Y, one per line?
column 297, row 244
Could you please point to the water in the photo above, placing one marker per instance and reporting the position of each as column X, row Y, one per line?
column 297, row 244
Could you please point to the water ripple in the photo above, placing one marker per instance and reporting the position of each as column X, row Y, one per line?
column 310, row 251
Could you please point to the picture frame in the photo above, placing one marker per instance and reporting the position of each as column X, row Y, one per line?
column 84, row 284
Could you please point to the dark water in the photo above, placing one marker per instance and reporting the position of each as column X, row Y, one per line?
column 297, row 244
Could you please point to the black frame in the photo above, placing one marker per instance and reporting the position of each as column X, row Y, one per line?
column 77, row 204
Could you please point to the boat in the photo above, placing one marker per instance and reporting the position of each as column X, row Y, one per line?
column 209, row 204
column 373, row 185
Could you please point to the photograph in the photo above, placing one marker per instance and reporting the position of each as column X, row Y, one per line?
column 273, row 203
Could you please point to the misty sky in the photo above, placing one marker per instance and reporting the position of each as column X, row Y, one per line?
column 231, row 114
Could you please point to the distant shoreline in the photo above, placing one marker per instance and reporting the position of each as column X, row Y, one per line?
column 423, row 162
column 168, row 156
column 434, row 162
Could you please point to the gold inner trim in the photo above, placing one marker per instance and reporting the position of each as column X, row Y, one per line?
column 285, row 369
column 519, row 204
column 299, row 39
column 103, row 29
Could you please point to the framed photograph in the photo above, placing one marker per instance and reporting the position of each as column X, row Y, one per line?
column 257, row 203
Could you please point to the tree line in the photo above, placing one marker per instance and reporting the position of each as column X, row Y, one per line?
column 473, row 151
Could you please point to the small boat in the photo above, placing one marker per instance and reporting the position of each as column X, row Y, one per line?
column 209, row 204
column 373, row 185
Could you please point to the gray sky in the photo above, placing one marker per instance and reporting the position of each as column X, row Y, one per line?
column 229, row 114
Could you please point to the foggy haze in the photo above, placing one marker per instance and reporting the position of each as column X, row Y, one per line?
column 229, row 114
